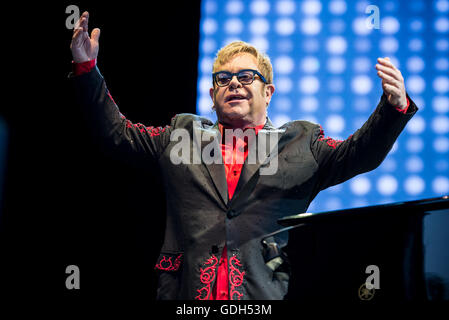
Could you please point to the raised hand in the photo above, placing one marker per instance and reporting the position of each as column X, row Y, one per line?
column 392, row 82
column 84, row 48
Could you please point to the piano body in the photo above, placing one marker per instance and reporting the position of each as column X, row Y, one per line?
column 393, row 252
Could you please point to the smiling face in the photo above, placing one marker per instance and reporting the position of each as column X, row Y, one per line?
column 238, row 105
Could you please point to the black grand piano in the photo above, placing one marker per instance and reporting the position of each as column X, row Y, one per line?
column 402, row 248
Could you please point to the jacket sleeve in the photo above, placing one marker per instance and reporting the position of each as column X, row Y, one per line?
column 364, row 150
column 111, row 126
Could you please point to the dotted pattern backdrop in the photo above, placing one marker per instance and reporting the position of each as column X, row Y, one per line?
column 323, row 56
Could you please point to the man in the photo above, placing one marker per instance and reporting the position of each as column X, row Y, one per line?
column 218, row 211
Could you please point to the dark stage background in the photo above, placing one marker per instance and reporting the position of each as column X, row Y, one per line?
column 66, row 201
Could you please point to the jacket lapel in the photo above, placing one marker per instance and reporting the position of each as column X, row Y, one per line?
column 251, row 169
column 211, row 145
column 212, row 158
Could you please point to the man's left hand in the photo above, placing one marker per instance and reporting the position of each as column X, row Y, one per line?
column 392, row 82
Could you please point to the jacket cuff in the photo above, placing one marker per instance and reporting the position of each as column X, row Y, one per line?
column 404, row 110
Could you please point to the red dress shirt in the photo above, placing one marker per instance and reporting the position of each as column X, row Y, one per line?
column 234, row 154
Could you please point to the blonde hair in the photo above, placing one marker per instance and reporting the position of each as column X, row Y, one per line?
column 226, row 53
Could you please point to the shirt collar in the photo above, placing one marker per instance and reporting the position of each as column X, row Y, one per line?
column 256, row 128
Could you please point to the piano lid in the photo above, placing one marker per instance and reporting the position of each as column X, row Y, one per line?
column 391, row 208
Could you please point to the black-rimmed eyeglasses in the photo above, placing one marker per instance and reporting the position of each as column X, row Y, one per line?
column 245, row 77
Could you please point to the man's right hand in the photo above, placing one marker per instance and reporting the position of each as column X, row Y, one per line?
column 84, row 48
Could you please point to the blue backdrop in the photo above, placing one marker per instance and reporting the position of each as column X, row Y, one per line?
column 323, row 55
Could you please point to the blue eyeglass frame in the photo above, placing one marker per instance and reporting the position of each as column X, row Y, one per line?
column 236, row 74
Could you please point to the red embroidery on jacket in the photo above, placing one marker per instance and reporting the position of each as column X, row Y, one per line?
column 235, row 278
column 207, row 277
column 110, row 97
column 330, row 141
column 168, row 265
column 152, row 131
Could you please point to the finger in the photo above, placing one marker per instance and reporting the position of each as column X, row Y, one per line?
column 77, row 36
column 84, row 21
column 86, row 16
column 385, row 77
column 83, row 16
column 391, row 72
column 80, row 23
column 76, row 33
column 386, row 62
column 391, row 89
column 95, row 34
column 84, row 24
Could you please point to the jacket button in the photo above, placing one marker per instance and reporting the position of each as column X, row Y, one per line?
column 231, row 214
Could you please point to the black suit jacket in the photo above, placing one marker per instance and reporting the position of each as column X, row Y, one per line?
column 200, row 218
